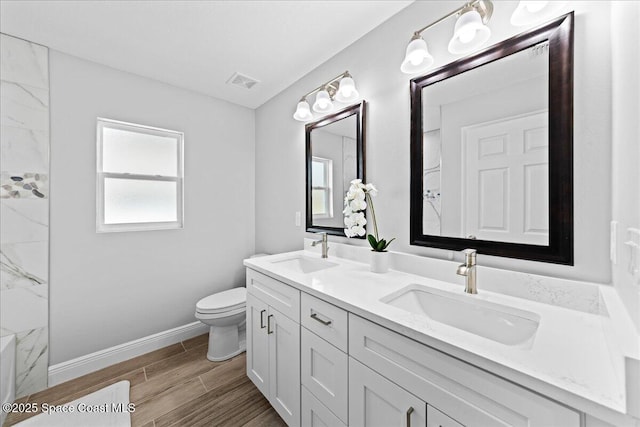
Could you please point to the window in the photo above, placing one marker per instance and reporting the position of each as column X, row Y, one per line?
column 139, row 177
column 321, row 187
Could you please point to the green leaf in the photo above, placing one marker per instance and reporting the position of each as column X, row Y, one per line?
column 381, row 245
column 388, row 243
column 372, row 241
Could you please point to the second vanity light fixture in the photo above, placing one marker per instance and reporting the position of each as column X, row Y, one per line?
column 471, row 30
column 469, row 34
column 341, row 88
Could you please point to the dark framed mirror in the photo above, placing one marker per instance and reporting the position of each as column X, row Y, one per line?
column 335, row 153
column 492, row 149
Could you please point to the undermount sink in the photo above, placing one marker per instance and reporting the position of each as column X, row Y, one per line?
column 496, row 322
column 303, row 264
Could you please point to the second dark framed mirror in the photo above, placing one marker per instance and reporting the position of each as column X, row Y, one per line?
column 492, row 149
column 335, row 155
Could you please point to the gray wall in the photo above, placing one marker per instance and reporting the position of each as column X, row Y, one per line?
column 111, row 288
column 626, row 146
column 374, row 61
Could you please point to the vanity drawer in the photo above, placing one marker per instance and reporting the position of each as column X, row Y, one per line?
column 282, row 297
column 315, row 414
column 326, row 320
column 471, row 395
column 324, row 372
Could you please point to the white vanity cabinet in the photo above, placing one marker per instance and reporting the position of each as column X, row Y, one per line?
column 456, row 392
column 320, row 365
column 273, row 343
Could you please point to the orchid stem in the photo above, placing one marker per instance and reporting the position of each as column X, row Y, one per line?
column 373, row 215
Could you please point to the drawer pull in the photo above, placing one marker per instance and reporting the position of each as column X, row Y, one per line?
column 269, row 330
column 314, row 316
column 262, row 319
column 409, row 412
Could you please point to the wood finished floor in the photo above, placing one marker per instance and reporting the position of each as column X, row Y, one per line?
column 174, row 386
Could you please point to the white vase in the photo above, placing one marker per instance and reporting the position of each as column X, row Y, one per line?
column 379, row 262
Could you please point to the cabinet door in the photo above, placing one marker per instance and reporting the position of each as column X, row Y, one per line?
column 284, row 366
column 376, row 401
column 325, row 372
column 257, row 344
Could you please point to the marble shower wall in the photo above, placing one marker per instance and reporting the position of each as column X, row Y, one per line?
column 24, row 207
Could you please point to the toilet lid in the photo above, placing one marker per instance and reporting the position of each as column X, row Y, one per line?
column 231, row 299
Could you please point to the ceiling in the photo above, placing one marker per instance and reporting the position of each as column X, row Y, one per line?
column 198, row 45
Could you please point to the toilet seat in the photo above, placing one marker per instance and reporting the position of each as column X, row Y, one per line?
column 229, row 301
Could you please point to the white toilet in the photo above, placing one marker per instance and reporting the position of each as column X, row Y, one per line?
column 225, row 313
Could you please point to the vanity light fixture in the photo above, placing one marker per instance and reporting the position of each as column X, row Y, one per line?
column 341, row 88
column 470, row 33
column 532, row 12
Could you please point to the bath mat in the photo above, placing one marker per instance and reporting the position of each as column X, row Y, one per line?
column 107, row 407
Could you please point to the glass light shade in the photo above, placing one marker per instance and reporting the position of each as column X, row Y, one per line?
column 469, row 34
column 303, row 112
column 532, row 12
column 347, row 91
column 417, row 57
column 323, row 102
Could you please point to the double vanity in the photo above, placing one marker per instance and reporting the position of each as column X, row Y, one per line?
column 330, row 343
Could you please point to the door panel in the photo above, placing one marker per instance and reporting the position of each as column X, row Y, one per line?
column 284, row 361
column 506, row 180
column 257, row 344
column 375, row 401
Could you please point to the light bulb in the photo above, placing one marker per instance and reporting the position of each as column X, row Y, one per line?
column 323, row 102
column 417, row 58
column 466, row 34
column 533, row 12
column 534, row 6
column 347, row 91
column 303, row 112
column 470, row 33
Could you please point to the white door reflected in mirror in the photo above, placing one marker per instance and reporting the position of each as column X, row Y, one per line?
column 485, row 145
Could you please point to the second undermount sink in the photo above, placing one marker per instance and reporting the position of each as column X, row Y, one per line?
column 496, row 322
column 303, row 264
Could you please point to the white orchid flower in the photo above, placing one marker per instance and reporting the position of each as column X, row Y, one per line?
column 358, row 205
column 371, row 189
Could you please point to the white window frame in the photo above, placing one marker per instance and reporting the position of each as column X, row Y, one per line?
column 328, row 189
column 101, row 227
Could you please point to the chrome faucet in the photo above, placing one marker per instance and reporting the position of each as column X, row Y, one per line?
column 468, row 269
column 324, row 241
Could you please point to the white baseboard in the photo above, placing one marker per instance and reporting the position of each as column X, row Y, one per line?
column 83, row 365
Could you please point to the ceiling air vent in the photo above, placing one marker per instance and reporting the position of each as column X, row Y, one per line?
column 242, row 80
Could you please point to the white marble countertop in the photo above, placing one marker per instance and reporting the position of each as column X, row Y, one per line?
column 573, row 358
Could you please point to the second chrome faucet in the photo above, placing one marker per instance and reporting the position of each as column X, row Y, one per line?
column 468, row 270
column 324, row 241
